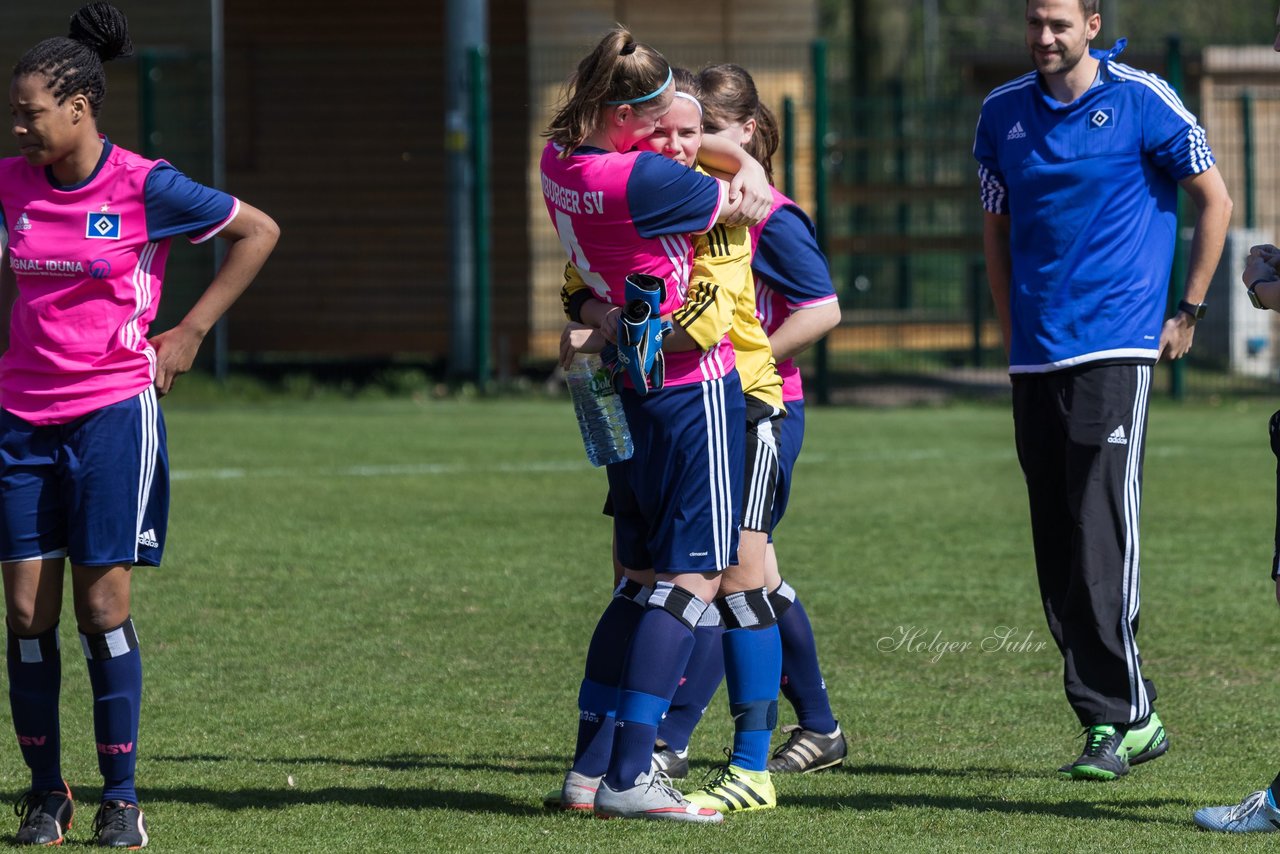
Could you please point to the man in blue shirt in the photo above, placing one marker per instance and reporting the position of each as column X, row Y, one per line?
column 1080, row 162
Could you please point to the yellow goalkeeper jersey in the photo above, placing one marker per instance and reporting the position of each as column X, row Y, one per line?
column 721, row 298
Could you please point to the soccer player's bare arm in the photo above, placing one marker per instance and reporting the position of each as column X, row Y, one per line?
column 749, row 197
column 1213, row 217
column 803, row 328
column 252, row 235
column 995, row 246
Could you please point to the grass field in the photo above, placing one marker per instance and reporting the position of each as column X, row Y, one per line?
column 370, row 626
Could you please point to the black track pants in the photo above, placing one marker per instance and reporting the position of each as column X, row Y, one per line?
column 1080, row 435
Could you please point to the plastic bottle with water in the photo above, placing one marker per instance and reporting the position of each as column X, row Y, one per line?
column 599, row 409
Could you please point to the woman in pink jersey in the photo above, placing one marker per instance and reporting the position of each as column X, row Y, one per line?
column 676, row 501
column 83, row 465
column 797, row 305
column 722, row 297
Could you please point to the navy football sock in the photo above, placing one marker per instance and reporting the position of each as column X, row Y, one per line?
column 702, row 676
column 598, row 696
column 657, row 655
column 802, row 682
column 35, row 680
column 115, row 673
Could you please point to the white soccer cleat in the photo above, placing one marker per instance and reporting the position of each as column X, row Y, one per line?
column 577, row 793
column 1257, row 813
column 651, row 798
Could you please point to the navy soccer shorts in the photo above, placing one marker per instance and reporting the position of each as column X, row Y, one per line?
column 790, row 431
column 678, row 500
column 95, row 489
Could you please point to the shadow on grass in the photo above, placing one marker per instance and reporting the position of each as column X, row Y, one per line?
column 1089, row 810
column 930, row 771
column 532, row 765
column 354, row 796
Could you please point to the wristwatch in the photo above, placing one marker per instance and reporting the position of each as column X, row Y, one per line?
column 1195, row 309
column 1253, row 296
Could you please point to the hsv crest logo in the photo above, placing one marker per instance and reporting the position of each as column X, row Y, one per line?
column 100, row 225
column 1102, row 118
column 115, row 749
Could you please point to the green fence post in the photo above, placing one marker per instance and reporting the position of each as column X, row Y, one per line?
column 481, row 239
column 1177, row 369
column 821, row 367
column 789, row 147
column 901, row 171
column 1246, row 129
column 146, row 103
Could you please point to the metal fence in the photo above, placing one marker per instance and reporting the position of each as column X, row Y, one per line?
column 892, row 182
column 904, row 243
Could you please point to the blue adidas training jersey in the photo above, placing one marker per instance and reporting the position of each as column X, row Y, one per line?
column 1091, row 191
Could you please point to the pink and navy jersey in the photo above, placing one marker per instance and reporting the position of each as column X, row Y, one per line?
column 89, row 262
column 791, row 275
column 621, row 213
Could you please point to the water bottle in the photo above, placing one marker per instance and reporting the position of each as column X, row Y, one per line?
column 599, row 410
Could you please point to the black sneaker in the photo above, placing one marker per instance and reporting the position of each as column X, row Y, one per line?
column 673, row 763
column 45, row 816
column 808, row 751
column 1104, row 757
column 120, row 824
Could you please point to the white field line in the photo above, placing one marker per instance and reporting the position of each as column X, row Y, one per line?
column 552, row 466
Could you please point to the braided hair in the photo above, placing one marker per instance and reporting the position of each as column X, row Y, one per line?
column 72, row 64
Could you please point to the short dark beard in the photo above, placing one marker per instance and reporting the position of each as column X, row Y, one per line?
column 1068, row 62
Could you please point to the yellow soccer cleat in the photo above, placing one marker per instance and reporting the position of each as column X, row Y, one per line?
column 735, row 789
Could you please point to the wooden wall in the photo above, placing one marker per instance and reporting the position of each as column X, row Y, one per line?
column 337, row 118
column 335, row 128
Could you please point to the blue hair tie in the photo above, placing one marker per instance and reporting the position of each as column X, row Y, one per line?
column 655, row 93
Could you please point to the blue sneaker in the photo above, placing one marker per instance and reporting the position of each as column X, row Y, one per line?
column 1257, row 813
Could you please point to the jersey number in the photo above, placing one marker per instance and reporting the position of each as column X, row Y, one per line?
column 564, row 227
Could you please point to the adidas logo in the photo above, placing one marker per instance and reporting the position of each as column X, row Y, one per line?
column 1117, row 437
column 23, row 223
column 1016, row 132
column 148, row 538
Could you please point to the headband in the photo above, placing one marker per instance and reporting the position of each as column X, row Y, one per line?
column 655, row 93
column 696, row 102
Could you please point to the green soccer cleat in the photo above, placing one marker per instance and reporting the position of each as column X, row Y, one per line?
column 1103, row 757
column 1139, row 743
column 1142, row 744
column 735, row 789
